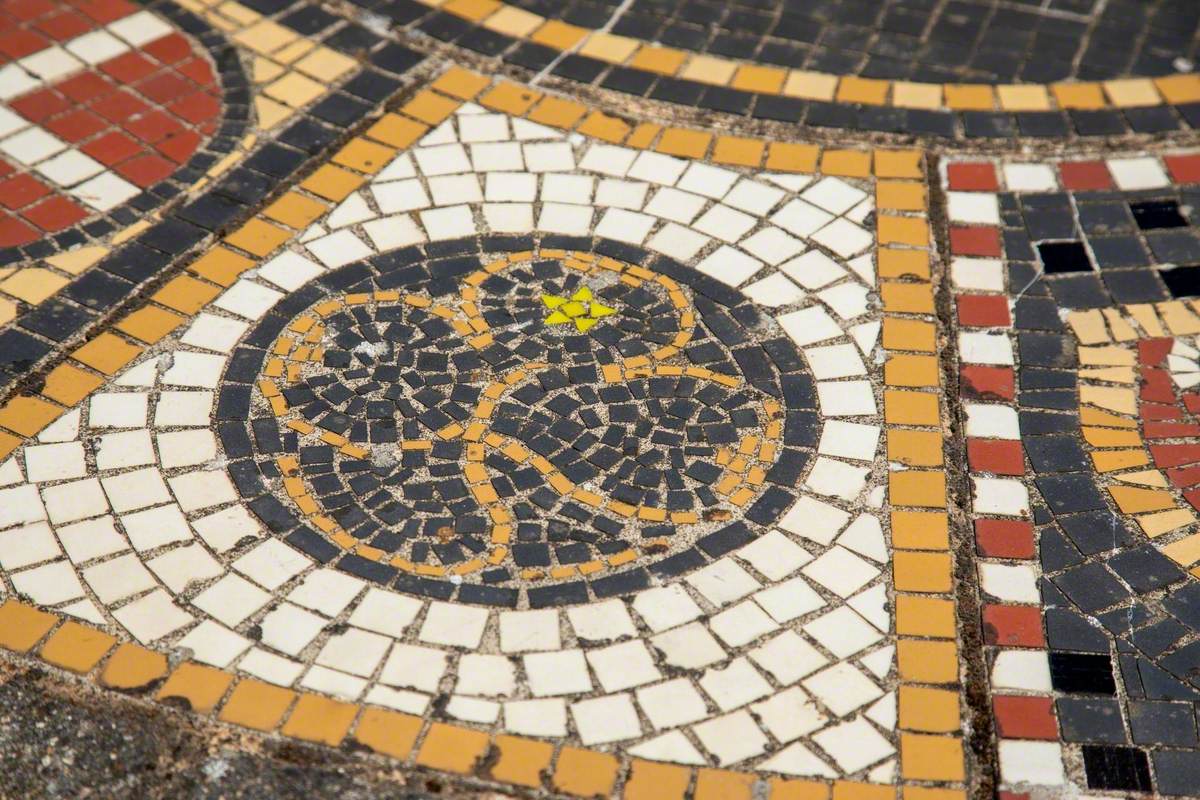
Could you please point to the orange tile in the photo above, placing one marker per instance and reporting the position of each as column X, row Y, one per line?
column 319, row 719
column 461, row 83
column 912, row 371
column 388, row 732
column 186, row 295
column 652, row 780
column 22, row 626
column 1135, row 500
column 922, row 572
column 1086, row 96
column 782, row 789
column 395, row 130
column 643, row 135
column 789, row 157
column 920, row 530
column 259, row 237
column 738, row 151
column 1024, row 97
column 199, row 687
column 474, row 10
column 9, row 443
column 931, row 758
column 867, row 91
column 915, row 448
column 899, row 164
column 847, row 163
column 107, row 353
column 853, row 790
column 907, row 298
column 76, row 647
column 662, row 60
column 452, row 749
column 558, row 113
column 910, row 408
column 683, row 142
column 895, row 263
column 558, row 35
column 929, row 793
column 68, row 384
column 604, row 127
column 257, row 705
column 364, row 156
column 585, row 773
column 223, row 266
column 510, row 98
column 900, row 195
column 332, row 183
column 912, row 231
column 909, row 334
column 28, row 415
column 294, row 210
column 926, row 661
column 759, row 79
column 925, row 616
column 132, row 666
column 929, row 710
column 521, row 761
column 720, row 784
column 430, row 107
column 969, row 97
column 1179, row 89
column 1132, row 92
column 920, row 488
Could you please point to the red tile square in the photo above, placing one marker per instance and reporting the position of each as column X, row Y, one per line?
column 972, row 177
column 37, row 106
column 21, row 190
column 129, row 67
column 113, row 148
column 1004, row 538
column 64, row 26
column 145, row 170
column 5, row 167
column 975, row 241
column 1191, row 401
column 169, row 49
column 1082, row 176
column 1159, row 411
column 1184, row 477
column 55, row 213
column 119, row 107
column 1025, row 718
column 29, row 9
column 198, row 70
column 22, row 42
column 154, row 126
column 207, row 128
column 1156, row 386
column 996, row 456
column 1175, row 455
column 196, row 107
column 15, row 232
column 988, row 383
column 75, row 126
column 165, row 87
column 984, row 311
column 179, row 148
column 87, row 87
column 1170, row 430
column 106, row 11
column 1184, row 169
column 1153, row 352
column 1013, row 626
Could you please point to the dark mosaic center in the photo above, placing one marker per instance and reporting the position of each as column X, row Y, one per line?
column 446, row 424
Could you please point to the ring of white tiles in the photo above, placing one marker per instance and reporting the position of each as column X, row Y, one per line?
column 777, row 656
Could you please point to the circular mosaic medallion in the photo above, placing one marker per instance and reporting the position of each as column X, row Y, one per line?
column 101, row 104
column 545, row 421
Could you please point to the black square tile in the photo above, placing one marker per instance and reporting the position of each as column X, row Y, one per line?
column 1120, row 768
column 1064, row 257
column 1154, row 214
column 1082, row 673
column 1182, row 281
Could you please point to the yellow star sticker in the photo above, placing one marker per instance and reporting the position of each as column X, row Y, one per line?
column 579, row 309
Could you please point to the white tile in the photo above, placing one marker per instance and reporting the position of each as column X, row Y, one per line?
column 1005, row 496
column 623, row 666
column 222, row 530
column 837, row 478
column 63, row 429
column 1030, row 178
column 1132, row 174
column 621, row 194
column 202, row 489
column 1014, row 583
column 90, row 539
column 508, row 217
column 140, row 28
column 248, row 299
column 753, row 197
column 678, row 242
column 214, row 644
column 49, row 584
column 690, row 646
column 402, row 195
column 472, row 709
column 834, row 195
column 865, row 537
column 452, row 222
column 834, row 361
column 231, row 600
column 608, row 160
column 985, row 348
column 442, row 160
column 67, row 502
column 452, row 624
column 730, row 265
column 815, row 520
column 415, row 667
column 798, row 759
column 624, row 226
column 270, row 667
column 601, row 622
column 841, row 571
column 848, row 300
column 789, row 600
column 186, row 448
column 398, row 699
column 156, row 527
column 338, row 684
column 288, row 271
column 510, row 187
column 54, row 462
column 813, row 269
column 672, row 703
column 105, row 191
column 536, row 717
column 872, row 604
column 354, row 651
column 788, row 658
column 450, row 190
column 665, row 607
column 486, row 675
column 152, row 617
column 981, row 208
column 528, row 631
column 772, row 245
column 201, row 370
column 117, row 410
column 789, row 714
column 854, row 745
column 339, row 248
column 1027, row 670
column 724, row 223
column 181, row 409
column 130, row 491
column 272, row 564
column 30, row 544
column 327, row 591
column 182, row 566
column 844, row 238
column 671, row 746
column 14, row 82
column 809, row 325
column 846, row 398
column 849, row 440
column 731, row 738
column 723, row 581
column 656, row 168
column 606, row 719
column 289, row 628
column 561, row 672
column 483, row 128
column 398, row 230
column 980, row 274
column 351, row 211
column 842, row 688
column 567, row 188
column 220, row 334
column 497, row 157
column 842, row 632
column 741, row 624
column 565, row 218
column 69, row 168
column 736, row 685
column 1036, row 763
column 675, row 205
column 801, row 218
column 386, row 612
column 549, row 157
column 992, row 421
column 707, row 180
column 774, row 290
column 31, row 146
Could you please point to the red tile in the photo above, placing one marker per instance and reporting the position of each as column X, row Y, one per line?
column 1170, row 430
column 1081, row 176
column 207, row 128
column 1184, row 169
column 106, row 11
column 113, row 148
column 984, row 311
column 55, row 213
column 975, row 241
column 196, row 107
column 64, row 26
column 22, row 42
column 145, row 170
column 1156, row 386
column 119, row 107
column 1175, row 455
column 1159, row 411
column 37, row 106
column 1185, row 477
column 1152, row 352
column 165, row 87
column 87, row 87
column 29, row 9
column 5, row 167
column 15, row 232
column 1004, row 538
column 154, row 126
column 129, row 67
column 996, row 456
column 988, row 383
column 198, row 70
column 1025, row 717
column 1193, row 498
column 76, row 125
column 179, row 148
column 1013, row 626
column 169, row 49
column 1191, row 401
column 1012, row 796
column 972, row 178
column 21, row 190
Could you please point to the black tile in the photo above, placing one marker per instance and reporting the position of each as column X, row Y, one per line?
column 1082, row 673
column 1090, row 719
column 1182, row 281
column 1119, row 768
column 1059, row 257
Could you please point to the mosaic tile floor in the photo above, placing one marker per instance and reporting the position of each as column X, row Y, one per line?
column 613, row 400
